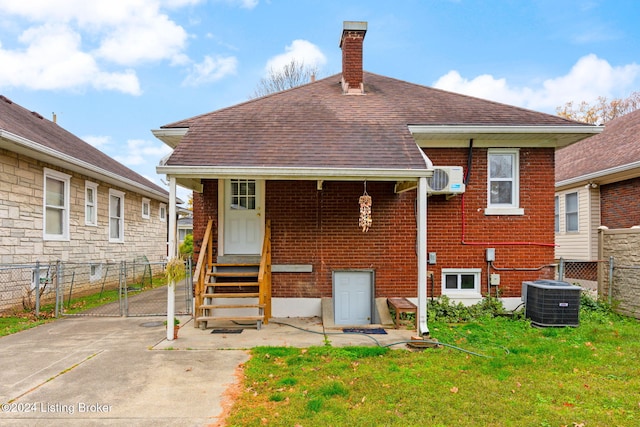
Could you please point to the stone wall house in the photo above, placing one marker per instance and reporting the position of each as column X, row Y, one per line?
column 63, row 200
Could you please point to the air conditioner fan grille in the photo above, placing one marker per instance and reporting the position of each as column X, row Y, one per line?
column 439, row 180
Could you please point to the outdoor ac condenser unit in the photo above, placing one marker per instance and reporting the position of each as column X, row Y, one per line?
column 551, row 303
column 446, row 180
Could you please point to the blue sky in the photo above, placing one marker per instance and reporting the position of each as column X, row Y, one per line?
column 112, row 70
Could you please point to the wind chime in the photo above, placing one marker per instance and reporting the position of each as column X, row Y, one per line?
column 365, row 210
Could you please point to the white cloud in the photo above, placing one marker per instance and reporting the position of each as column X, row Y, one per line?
column 140, row 152
column 245, row 4
column 97, row 141
column 145, row 39
column 588, row 79
column 210, row 70
column 53, row 60
column 77, row 43
column 300, row 50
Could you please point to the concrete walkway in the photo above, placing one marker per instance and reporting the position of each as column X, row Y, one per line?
column 122, row 371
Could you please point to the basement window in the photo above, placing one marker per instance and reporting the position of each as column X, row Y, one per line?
column 461, row 282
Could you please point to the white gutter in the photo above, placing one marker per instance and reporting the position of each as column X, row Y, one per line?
column 599, row 174
column 347, row 174
column 170, row 136
column 482, row 129
column 83, row 167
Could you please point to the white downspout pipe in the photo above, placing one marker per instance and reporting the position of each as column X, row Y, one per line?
column 421, row 322
column 171, row 287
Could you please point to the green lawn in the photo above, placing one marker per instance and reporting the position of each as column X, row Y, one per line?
column 519, row 375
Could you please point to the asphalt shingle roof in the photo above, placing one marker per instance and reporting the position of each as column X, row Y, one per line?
column 32, row 126
column 316, row 125
column 617, row 145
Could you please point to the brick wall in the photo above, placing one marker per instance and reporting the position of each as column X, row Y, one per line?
column 321, row 228
column 205, row 207
column 620, row 204
column 21, row 207
column 445, row 219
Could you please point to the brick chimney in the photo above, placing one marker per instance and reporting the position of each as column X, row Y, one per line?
column 351, row 43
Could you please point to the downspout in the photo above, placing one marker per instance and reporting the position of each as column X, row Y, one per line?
column 421, row 318
column 171, row 289
column 421, row 322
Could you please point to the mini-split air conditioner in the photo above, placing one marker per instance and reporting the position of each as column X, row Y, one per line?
column 446, row 180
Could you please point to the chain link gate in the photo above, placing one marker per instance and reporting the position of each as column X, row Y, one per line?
column 119, row 289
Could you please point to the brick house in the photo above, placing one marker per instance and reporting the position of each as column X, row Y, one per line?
column 449, row 177
column 62, row 199
column 597, row 184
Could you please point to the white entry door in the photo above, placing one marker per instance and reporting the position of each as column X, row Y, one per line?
column 243, row 219
column 352, row 301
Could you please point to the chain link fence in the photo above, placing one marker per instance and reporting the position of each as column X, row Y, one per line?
column 611, row 281
column 586, row 274
column 125, row 288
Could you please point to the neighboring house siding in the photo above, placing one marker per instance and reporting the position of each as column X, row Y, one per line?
column 21, row 219
column 621, row 204
column 581, row 244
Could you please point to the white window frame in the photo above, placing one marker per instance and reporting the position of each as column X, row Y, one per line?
column 65, row 208
column 512, row 208
column 556, row 216
column 162, row 212
column 120, row 195
column 90, row 218
column 146, row 203
column 576, row 212
column 462, row 293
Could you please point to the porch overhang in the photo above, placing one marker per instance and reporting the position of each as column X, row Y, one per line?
column 191, row 176
column 458, row 136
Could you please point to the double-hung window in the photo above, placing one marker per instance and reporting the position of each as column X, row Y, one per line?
column 116, row 216
column 162, row 212
column 56, row 205
column 146, row 208
column 503, row 182
column 571, row 212
column 90, row 203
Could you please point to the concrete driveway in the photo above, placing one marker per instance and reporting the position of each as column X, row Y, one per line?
column 105, row 371
column 122, row 371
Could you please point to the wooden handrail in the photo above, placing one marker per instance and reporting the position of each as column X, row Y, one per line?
column 264, row 274
column 205, row 259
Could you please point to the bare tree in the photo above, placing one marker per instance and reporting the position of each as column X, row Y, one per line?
column 293, row 74
column 601, row 111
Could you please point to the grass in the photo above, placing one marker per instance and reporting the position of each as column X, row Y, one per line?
column 21, row 320
column 525, row 376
